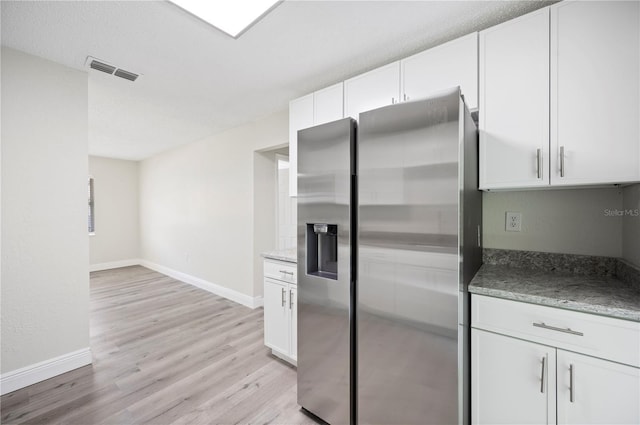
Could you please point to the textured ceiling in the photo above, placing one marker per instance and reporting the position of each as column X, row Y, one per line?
column 197, row 81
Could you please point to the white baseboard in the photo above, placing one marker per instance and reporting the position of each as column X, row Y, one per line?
column 239, row 297
column 34, row 373
column 114, row 264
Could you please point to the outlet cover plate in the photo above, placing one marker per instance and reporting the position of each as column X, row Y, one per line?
column 513, row 222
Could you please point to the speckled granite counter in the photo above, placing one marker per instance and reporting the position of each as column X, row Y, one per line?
column 603, row 295
column 289, row 255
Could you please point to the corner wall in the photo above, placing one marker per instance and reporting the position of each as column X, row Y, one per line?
column 45, row 247
column 631, row 224
column 116, row 242
column 197, row 209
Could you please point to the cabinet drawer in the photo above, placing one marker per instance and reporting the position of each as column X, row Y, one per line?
column 281, row 270
column 604, row 337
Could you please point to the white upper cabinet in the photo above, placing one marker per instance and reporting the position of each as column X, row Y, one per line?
column 317, row 108
column 300, row 117
column 514, row 103
column 560, row 97
column 595, row 92
column 372, row 90
column 451, row 64
column 328, row 104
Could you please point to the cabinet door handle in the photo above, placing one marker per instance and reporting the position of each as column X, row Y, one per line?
column 571, row 388
column 290, row 299
column 542, row 374
column 284, row 296
column 554, row 328
column 561, row 161
column 539, row 162
column 405, row 97
column 393, row 100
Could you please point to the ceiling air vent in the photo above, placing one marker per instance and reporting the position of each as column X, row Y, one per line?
column 125, row 74
column 100, row 65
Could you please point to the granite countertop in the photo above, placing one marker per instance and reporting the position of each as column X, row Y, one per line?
column 603, row 295
column 288, row 255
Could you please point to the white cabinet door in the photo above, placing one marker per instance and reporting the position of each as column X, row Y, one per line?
column 377, row 88
column 595, row 92
column 293, row 320
column 276, row 316
column 300, row 116
column 510, row 384
column 595, row 391
column 451, row 64
column 514, row 103
column 328, row 104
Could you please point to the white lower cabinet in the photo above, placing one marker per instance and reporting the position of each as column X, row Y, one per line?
column 281, row 310
column 276, row 317
column 596, row 391
column 526, row 367
column 293, row 320
column 511, row 380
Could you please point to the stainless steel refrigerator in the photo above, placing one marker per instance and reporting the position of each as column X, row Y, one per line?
column 389, row 225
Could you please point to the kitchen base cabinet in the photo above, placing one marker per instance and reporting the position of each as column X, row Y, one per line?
column 511, row 380
column 281, row 309
column 595, row 391
column 293, row 321
column 525, row 367
column 276, row 317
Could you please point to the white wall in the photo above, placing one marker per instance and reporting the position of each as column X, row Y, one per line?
column 197, row 205
column 571, row 221
column 287, row 208
column 631, row 224
column 264, row 217
column 116, row 241
column 45, row 246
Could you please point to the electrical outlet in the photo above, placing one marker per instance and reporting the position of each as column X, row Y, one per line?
column 513, row 222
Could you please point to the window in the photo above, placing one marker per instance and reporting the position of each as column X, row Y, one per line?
column 91, row 217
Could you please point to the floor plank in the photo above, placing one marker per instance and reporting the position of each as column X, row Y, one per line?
column 164, row 352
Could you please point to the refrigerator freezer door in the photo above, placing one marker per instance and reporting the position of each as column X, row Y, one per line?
column 325, row 167
column 408, row 263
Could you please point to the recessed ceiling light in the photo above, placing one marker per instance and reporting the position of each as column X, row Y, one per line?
column 231, row 16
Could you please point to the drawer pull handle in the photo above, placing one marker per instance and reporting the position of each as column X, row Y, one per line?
column 542, row 374
column 554, row 328
column 286, row 272
column 571, row 389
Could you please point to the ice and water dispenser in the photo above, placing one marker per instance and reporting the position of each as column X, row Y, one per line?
column 322, row 250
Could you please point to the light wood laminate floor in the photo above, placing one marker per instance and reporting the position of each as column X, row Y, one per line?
column 164, row 352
